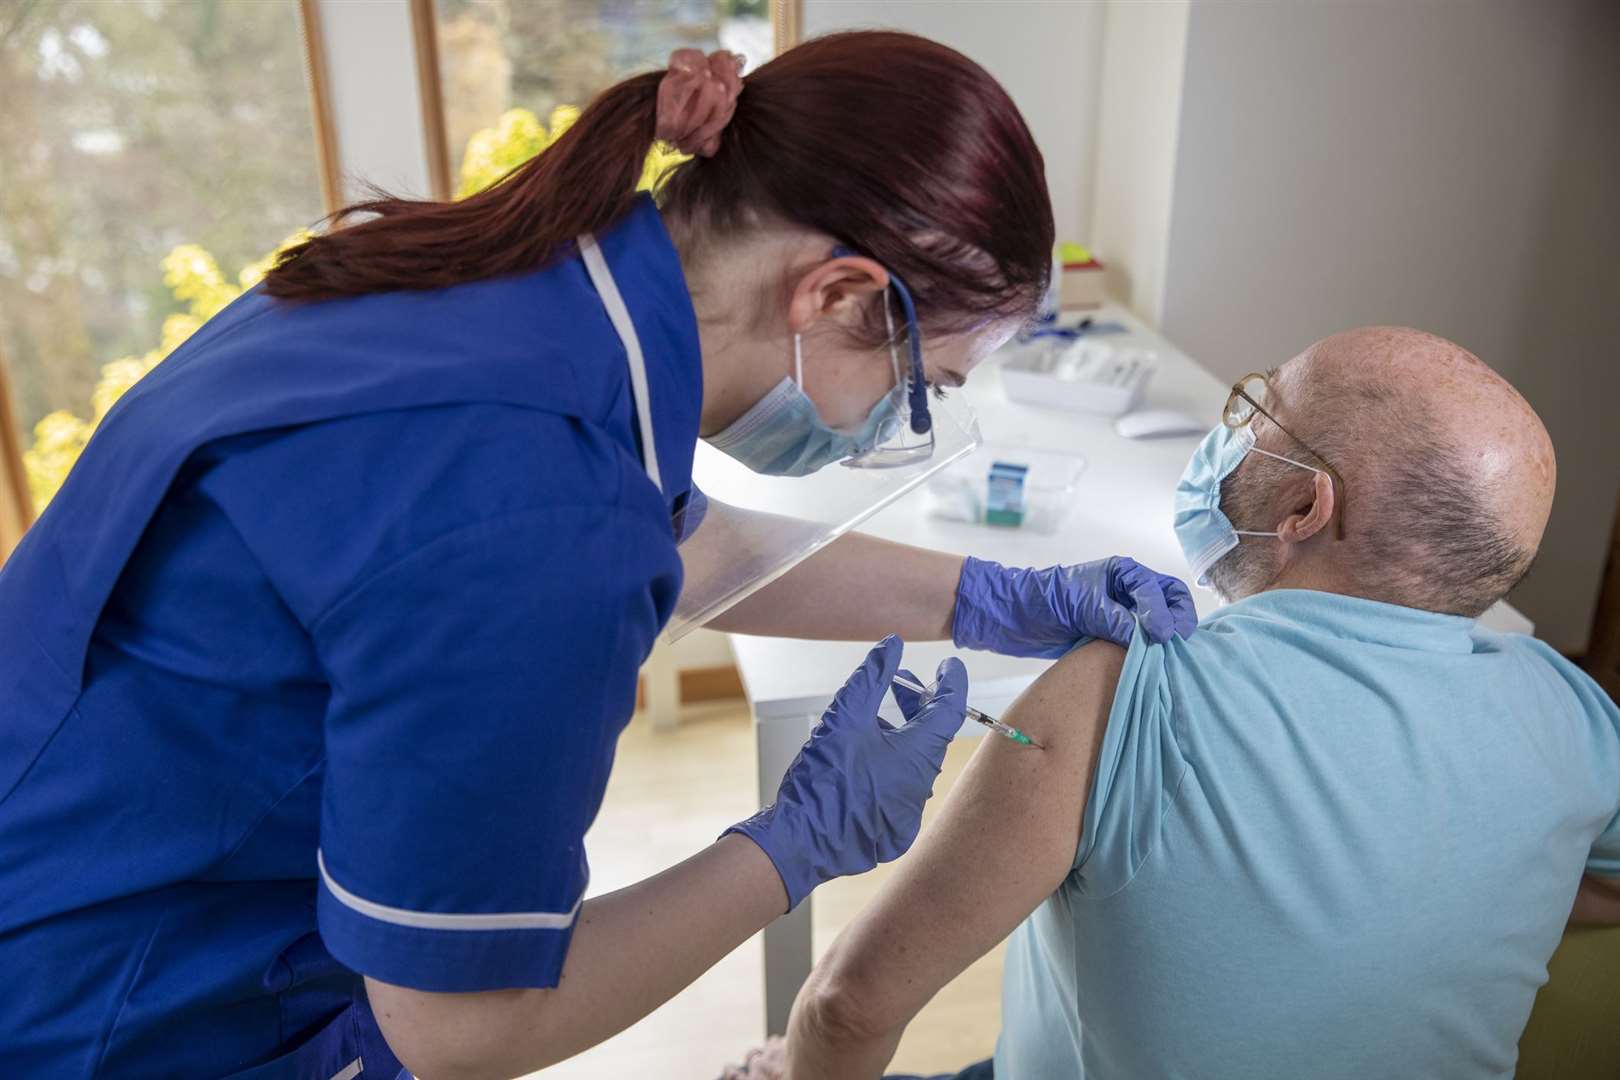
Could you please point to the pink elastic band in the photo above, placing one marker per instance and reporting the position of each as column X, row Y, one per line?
column 697, row 99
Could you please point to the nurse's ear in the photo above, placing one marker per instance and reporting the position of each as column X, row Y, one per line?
column 838, row 289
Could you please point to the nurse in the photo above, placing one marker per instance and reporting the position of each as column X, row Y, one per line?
column 312, row 673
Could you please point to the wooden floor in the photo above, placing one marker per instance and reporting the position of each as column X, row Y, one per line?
column 671, row 794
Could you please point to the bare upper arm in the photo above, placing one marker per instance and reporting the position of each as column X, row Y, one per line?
column 448, row 1036
column 1004, row 840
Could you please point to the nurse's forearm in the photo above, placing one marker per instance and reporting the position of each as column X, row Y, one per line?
column 632, row 950
column 858, row 588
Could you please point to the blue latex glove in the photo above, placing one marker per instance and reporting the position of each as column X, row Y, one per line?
column 1047, row 612
column 854, row 796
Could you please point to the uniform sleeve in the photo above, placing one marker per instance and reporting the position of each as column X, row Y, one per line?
column 689, row 518
column 478, row 687
column 1139, row 767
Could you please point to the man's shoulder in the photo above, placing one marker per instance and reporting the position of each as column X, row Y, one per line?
column 1299, row 642
column 1540, row 658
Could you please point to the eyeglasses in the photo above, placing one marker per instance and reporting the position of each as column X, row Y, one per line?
column 1241, row 406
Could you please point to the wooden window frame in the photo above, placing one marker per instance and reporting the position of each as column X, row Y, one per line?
column 320, row 100
column 16, row 503
column 786, row 22
column 430, row 89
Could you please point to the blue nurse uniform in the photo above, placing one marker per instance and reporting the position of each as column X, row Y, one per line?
column 316, row 664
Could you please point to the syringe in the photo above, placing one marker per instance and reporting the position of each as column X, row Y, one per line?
column 974, row 714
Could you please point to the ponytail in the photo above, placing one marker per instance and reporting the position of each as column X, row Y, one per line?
column 893, row 145
column 583, row 182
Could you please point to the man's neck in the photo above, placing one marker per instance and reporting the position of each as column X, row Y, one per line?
column 1317, row 577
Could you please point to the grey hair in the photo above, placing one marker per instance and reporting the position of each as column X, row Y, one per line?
column 1421, row 528
column 1435, row 529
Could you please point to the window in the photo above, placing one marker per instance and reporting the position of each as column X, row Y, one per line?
column 131, row 130
column 496, row 56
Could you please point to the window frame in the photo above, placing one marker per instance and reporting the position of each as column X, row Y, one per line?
column 786, row 23
column 16, row 504
column 320, row 103
column 430, row 92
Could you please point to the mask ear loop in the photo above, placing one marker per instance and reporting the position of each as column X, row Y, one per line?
column 1285, row 460
column 894, row 353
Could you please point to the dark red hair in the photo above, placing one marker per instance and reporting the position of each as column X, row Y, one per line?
column 899, row 147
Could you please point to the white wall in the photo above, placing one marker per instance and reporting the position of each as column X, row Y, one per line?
column 1447, row 166
column 1045, row 54
column 1139, row 114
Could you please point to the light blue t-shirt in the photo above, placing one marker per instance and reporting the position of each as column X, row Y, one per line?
column 1328, row 837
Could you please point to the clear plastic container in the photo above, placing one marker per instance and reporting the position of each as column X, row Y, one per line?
column 962, row 492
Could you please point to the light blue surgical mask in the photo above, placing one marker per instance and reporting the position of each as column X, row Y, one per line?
column 1203, row 530
column 784, row 435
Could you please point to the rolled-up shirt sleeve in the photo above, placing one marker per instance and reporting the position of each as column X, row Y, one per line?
column 478, row 686
column 1139, row 767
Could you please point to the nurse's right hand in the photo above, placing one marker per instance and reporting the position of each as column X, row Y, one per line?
column 854, row 796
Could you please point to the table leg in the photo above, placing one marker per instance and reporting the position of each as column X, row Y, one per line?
column 663, row 687
column 787, row 940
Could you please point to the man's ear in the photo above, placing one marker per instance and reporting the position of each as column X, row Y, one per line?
column 1306, row 522
column 836, row 288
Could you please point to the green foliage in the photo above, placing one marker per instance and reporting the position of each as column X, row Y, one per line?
column 735, row 9
column 127, row 127
column 494, row 152
column 195, row 282
column 194, row 279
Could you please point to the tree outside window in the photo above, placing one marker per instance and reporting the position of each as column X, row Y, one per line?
column 129, row 129
column 149, row 143
column 496, row 56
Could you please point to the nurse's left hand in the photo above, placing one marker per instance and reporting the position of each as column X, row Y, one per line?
column 1045, row 613
column 854, row 796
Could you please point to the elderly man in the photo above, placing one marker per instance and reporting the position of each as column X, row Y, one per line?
column 1338, row 833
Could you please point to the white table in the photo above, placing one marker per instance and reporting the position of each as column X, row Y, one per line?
column 1122, row 505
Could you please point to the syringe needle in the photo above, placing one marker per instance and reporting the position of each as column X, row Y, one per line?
column 1003, row 729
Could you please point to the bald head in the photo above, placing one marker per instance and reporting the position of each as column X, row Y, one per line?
column 1447, row 473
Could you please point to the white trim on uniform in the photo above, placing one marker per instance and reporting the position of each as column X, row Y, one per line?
column 351, row 1070
column 436, row 920
column 596, row 266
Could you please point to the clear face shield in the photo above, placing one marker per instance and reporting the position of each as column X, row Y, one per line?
column 758, row 527
column 909, row 439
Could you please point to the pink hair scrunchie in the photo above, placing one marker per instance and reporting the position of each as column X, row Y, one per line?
column 697, row 98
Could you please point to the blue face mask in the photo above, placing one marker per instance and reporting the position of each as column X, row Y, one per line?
column 784, row 435
column 1203, row 530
